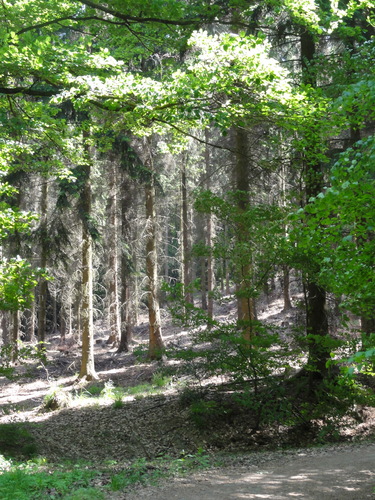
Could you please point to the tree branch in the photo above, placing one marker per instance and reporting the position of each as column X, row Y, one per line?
column 28, row 91
column 192, row 136
column 70, row 18
column 127, row 18
column 53, row 21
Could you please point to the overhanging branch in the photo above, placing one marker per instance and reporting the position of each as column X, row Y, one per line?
column 28, row 91
column 58, row 20
column 137, row 19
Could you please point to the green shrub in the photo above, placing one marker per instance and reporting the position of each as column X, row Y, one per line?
column 159, row 379
column 136, row 473
column 16, row 441
column 189, row 461
column 23, row 354
column 118, row 402
column 28, row 481
column 140, row 352
column 189, row 395
column 94, row 390
column 86, row 494
column 201, row 413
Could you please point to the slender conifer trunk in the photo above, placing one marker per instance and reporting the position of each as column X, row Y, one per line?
column 87, row 370
column 209, row 223
column 126, row 319
column 42, row 302
column 113, row 267
column 246, row 303
column 185, row 227
column 156, row 344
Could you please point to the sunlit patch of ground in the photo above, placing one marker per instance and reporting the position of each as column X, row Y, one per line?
column 23, row 399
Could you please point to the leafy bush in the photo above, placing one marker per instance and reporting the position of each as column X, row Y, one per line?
column 28, row 481
column 94, row 390
column 86, row 494
column 138, row 472
column 203, row 413
column 159, row 379
column 362, row 360
column 22, row 354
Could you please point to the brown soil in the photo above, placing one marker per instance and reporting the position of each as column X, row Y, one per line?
column 331, row 473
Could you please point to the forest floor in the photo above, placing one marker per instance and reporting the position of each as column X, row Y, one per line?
column 137, row 411
column 328, row 473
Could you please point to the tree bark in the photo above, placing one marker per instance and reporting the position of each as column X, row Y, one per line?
column 316, row 318
column 186, row 250
column 156, row 344
column 136, row 265
column 42, row 302
column 245, row 303
column 15, row 334
column 63, row 324
column 5, row 327
column 210, row 260
column 76, row 319
column 286, row 293
column 226, row 270
column 126, row 320
column 113, row 272
column 87, row 370
column 29, row 315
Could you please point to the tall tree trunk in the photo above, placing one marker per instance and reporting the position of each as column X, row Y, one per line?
column 126, row 321
column 285, row 268
column 316, row 318
column 226, row 270
column 156, row 344
column 63, row 323
column 136, row 266
column 5, row 327
column 87, row 370
column 55, row 322
column 113, row 273
column 202, row 262
column 30, row 323
column 15, row 333
column 65, row 312
column 126, row 265
column 317, row 326
column 246, row 303
column 286, row 293
column 76, row 319
column 186, row 257
column 42, row 302
column 166, row 252
column 201, row 228
column 210, row 260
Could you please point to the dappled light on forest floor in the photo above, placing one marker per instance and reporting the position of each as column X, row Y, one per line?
column 346, row 474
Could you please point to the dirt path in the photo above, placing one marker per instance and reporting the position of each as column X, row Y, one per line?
column 346, row 474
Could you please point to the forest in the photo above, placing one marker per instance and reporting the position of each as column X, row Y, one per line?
column 187, row 223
